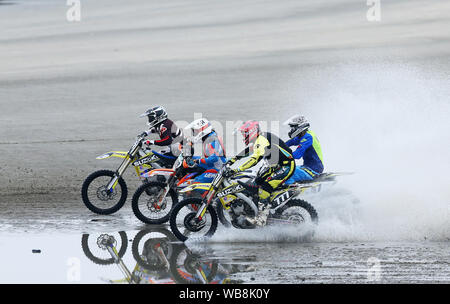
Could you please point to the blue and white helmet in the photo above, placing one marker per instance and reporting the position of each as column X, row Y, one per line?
column 155, row 115
column 198, row 129
column 298, row 124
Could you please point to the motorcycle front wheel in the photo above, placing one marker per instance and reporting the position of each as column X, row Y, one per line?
column 145, row 203
column 97, row 198
column 94, row 251
column 184, row 224
column 187, row 267
column 149, row 244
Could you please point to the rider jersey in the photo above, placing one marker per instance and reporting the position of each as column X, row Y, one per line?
column 213, row 152
column 168, row 132
column 269, row 147
column 309, row 149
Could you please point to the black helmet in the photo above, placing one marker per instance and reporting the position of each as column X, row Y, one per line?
column 155, row 116
column 298, row 124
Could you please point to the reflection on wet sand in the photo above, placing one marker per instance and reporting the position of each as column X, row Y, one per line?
column 160, row 259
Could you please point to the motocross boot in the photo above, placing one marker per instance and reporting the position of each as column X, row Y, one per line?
column 260, row 220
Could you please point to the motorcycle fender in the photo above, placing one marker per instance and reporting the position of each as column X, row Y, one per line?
column 309, row 188
column 120, row 154
column 282, row 198
column 196, row 186
column 164, row 172
column 233, row 188
column 146, row 160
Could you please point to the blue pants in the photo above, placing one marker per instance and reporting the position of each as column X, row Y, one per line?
column 206, row 177
column 300, row 175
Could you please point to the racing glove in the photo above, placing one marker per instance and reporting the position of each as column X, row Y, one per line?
column 190, row 163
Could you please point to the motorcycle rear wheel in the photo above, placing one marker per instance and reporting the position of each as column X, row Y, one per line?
column 302, row 214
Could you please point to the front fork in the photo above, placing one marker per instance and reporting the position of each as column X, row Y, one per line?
column 123, row 166
column 171, row 180
column 115, row 255
column 209, row 197
column 202, row 210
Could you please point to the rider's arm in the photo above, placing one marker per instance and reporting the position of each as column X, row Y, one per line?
column 216, row 154
column 165, row 134
column 293, row 142
column 259, row 149
column 305, row 142
column 244, row 153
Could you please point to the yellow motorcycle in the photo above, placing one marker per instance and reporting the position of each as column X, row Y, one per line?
column 160, row 259
column 105, row 191
column 198, row 218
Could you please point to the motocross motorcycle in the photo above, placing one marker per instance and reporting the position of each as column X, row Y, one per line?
column 322, row 181
column 152, row 249
column 153, row 201
column 161, row 259
column 188, row 266
column 105, row 252
column 197, row 218
column 156, row 249
column 105, row 191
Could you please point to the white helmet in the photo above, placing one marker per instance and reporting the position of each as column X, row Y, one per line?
column 199, row 128
column 298, row 124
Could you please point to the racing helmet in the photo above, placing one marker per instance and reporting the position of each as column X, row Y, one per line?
column 155, row 115
column 199, row 128
column 250, row 130
column 298, row 124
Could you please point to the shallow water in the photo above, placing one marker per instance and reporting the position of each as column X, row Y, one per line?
column 268, row 255
column 62, row 259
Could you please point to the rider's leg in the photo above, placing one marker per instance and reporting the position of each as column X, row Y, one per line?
column 277, row 178
column 206, row 177
column 175, row 149
column 167, row 151
column 301, row 173
column 271, row 183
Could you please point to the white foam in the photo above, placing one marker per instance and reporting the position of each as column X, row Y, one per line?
column 389, row 124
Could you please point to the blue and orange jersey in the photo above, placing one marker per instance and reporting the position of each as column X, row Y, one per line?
column 213, row 152
column 308, row 148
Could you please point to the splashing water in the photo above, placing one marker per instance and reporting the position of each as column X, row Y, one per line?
column 389, row 124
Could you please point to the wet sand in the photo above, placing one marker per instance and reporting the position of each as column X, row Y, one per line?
column 70, row 91
column 267, row 256
column 64, row 258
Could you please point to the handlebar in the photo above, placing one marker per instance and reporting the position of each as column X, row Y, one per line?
column 227, row 172
column 143, row 135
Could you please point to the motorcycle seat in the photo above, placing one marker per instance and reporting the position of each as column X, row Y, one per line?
column 163, row 156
